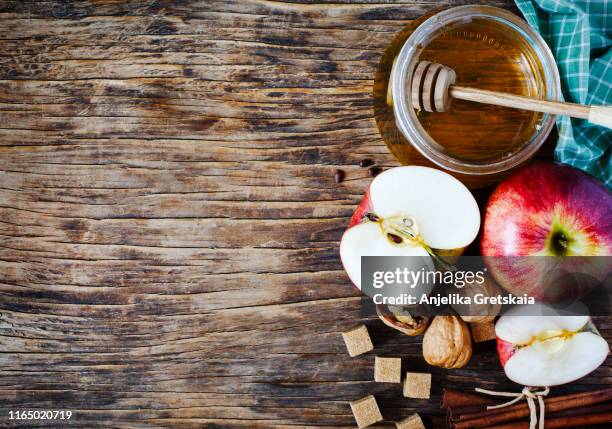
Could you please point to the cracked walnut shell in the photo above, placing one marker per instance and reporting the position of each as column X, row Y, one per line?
column 447, row 342
column 408, row 325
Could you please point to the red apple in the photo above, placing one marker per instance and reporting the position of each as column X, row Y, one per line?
column 547, row 349
column 409, row 211
column 548, row 210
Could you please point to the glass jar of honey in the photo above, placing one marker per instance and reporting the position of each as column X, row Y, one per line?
column 489, row 48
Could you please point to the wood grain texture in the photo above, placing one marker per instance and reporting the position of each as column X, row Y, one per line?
column 169, row 220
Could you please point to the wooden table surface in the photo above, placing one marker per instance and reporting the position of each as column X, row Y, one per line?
column 169, row 220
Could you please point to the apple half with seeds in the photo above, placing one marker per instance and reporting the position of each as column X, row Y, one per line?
column 548, row 349
column 410, row 211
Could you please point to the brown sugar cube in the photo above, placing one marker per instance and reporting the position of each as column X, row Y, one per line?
column 357, row 341
column 411, row 422
column 483, row 331
column 417, row 385
column 387, row 369
column 366, row 411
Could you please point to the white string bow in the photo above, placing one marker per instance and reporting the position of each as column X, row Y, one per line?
column 527, row 394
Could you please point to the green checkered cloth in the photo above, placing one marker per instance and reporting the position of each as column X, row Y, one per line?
column 579, row 34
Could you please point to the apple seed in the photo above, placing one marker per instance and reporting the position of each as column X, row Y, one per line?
column 374, row 171
column 395, row 238
column 339, row 176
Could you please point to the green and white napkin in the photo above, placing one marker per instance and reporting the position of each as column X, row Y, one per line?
column 579, row 33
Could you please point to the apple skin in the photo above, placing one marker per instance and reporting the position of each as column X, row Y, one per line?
column 364, row 207
column 505, row 350
column 546, row 209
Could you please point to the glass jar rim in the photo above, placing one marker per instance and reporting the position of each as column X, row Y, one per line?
column 401, row 76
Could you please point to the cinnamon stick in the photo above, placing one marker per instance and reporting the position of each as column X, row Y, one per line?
column 549, row 401
column 455, row 398
column 591, row 409
column 457, row 412
column 457, row 402
column 563, row 422
column 453, row 414
column 519, row 411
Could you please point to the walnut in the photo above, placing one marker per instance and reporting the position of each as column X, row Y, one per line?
column 406, row 324
column 478, row 319
column 447, row 342
column 479, row 313
column 412, row 328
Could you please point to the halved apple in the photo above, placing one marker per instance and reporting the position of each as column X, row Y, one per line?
column 410, row 211
column 548, row 349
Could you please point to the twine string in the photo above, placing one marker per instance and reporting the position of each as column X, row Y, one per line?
column 528, row 395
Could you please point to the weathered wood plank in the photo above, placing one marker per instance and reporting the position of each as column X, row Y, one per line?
column 169, row 221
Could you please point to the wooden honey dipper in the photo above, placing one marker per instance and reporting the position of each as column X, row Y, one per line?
column 433, row 85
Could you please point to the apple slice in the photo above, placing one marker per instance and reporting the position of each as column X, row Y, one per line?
column 410, row 211
column 548, row 349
